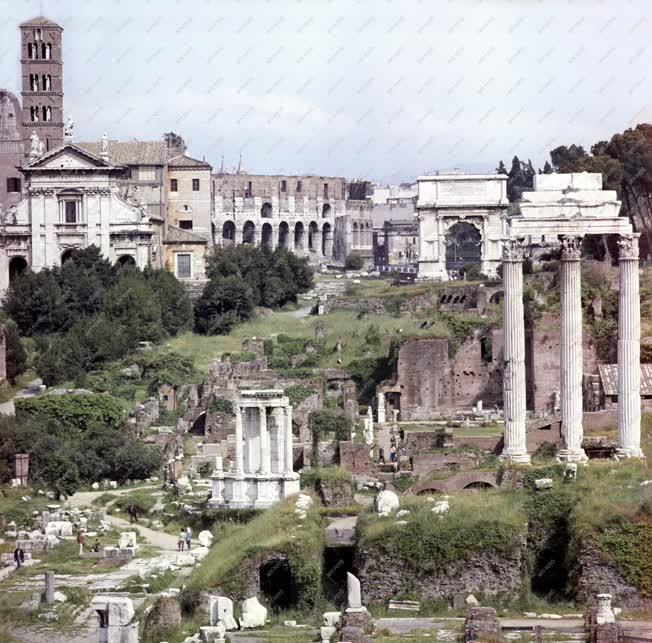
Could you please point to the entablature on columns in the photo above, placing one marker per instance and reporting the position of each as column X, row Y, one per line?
column 541, row 230
column 267, row 398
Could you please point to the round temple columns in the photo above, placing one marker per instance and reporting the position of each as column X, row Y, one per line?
column 629, row 350
column 571, row 356
column 514, row 449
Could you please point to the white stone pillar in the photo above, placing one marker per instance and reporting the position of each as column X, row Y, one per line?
column 629, row 350
column 278, row 456
column 239, row 466
column 264, row 441
column 570, row 358
column 514, row 442
column 289, row 455
column 380, row 403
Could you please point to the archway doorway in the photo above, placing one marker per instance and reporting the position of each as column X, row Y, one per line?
column 277, row 584
column 266, row 211
column 463, row 246
column 228, row 233
column 249, row 233
column 325, row 211
column 127, row 261
column 283, row 234
column 327, row 240
column 199, row 426
column 299, row 232
column 17, row 266
column 313, row 232
column 266, row 235
column 66, row 255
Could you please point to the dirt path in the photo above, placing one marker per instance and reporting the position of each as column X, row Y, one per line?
column 85, row 498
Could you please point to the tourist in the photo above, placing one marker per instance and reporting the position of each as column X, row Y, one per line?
column 96, row 546
column 182, row 540
column 188, row 537
column 392, row 454
column 381, row 455
column 80, row 542
column 133, row 513
column 19, row 556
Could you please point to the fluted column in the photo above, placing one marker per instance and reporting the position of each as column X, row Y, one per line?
column 570, row 358
column 265, row 455
column 289, row 455
column 239, row 466
column 629, row 350
column 514, row 447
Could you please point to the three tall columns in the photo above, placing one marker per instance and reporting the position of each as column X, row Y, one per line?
column 571, row 355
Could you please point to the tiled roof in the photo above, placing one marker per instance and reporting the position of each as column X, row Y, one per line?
column 40, row 21
column 187, row 161
column 177, row 235
column 131, row 152
column 609, row 378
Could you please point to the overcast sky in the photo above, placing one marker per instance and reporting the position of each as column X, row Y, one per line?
column 381, row 89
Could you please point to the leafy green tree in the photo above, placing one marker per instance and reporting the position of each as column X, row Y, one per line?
column 16, row 355
column 176, row 307
column 353, row 261
column 547, row 168
column 501, row 169
column 225, row 302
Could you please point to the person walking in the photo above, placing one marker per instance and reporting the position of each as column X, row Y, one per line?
column 19, row 556
column 80, row 542
column 188, row 537
column 182, row 540
column 381, row 455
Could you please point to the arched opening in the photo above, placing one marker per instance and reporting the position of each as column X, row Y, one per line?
column 249, row 233
column 478, row 486
column 356, row 235
column 497, row 297
column 283, row 234
column 199, row 426
column 325, row 211
column 228, row 233
column 367, row 234
column 266, row 211
column 266, row 235
column 17, row 266
column 463, row 246
column 126, row 260
column 66, row 256
column 327, row 240
column 486, row 350
column 313, row 232
column 277, row 584
column 336, row 562
column 299, row 233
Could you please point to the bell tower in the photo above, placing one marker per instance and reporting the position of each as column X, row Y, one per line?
column 42, row 77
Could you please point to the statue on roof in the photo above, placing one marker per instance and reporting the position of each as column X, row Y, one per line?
column 35, row 149
column 104, row 147
column 68, row 130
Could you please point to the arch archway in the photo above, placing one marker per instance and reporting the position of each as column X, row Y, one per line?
column 126, row 260
column 463, row 246
column 284, row 235
column 356, row 238
column 266, row 211
column 325, row 211
column 199, row 425
column 249, row 233
column 66, row 255
column 299, row 234
column 266, row 235
column 313, row 232
column 17, row 266
column 327, row 240
column 228, row 233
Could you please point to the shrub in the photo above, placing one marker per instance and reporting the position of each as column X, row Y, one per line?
column 221, row 405
column 142, row 501
column 297, row 393
column 353, row 261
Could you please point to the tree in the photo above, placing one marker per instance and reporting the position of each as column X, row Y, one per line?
column 353, row 261
column 547, row 168
column 519, row 178
column 175, row 144
column 225, row 302
column 16, row 355
column 501, row 169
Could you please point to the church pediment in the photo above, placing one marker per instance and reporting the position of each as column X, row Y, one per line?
column 68, row 157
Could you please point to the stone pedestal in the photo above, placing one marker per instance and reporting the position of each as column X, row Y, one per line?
column 629, row 350
column 514, row 448
column 571, row 356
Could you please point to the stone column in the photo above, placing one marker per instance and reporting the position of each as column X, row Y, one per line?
column 49, row 588
column 514, row 447
column 264, row 441
column 239, row 466
column 380, row 403
column 629, row 350
column 289, row 455
column 278, row 458
column 570, row 358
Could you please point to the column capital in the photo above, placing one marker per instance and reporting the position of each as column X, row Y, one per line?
column 628, row 246
column 513, row 249
column 571, row 247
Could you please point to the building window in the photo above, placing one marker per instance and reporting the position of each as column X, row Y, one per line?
column 173, row 185
column 249, row 190
column 184, row 266
column 298, row 186
column 146, row 174
column 326, row 191
column 13, row 184
column 33, row 82
column 34, row 114
column 284, row 186
column 186, row 224
column 47, row 82
column 70, row 208
column 70, row 211
column 195, row 185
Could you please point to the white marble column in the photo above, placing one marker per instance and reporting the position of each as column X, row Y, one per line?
column 629, row 350
column 380, row 403
column 289, row 455
column 571, row 361
column 514, row 447
column 278, row 456
column 239, row 466
column 265, row 455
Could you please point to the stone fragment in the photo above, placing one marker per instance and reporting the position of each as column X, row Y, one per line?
column 205, row 538
column 353, row 593
column 127, row 539
column 481, row 624
column 386, row 502
column 212, row 633
column 326, row 632
column 253, row 613
column 604, row 613
column 552, row 617
column 570, row 472
column 402, row 512
column 331, row 619
column 220, row 608
column 440, row 507
column 59, row 597
column 543, row 483
column 472, row 601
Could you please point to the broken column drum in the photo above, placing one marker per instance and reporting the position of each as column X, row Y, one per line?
column 263, row 472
